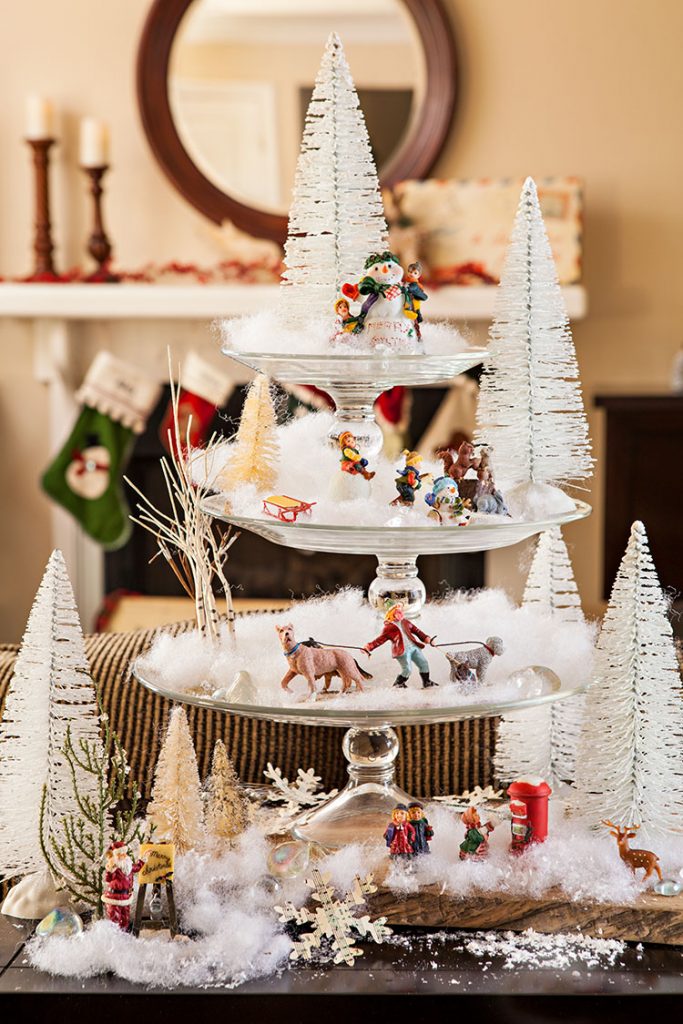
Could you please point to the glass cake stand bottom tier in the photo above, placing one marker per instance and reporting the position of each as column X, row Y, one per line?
column 370, row 745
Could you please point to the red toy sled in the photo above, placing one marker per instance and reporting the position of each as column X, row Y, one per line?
column 284, row 508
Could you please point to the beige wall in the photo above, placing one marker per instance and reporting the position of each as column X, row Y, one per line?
column 591, row 88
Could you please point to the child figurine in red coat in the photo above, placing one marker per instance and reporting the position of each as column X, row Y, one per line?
column 407, row 643
column 400, row 834
column 118, row 884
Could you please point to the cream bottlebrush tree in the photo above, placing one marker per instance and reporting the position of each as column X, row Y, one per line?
column 51, row 695
column 336, row 218
column 629, row 767
column 255, row 453
column 543, row 740
column 530, row 406
column 176, row 809
column 227, row 806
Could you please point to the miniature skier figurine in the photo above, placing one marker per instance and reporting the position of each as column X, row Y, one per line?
column 351, row 460
column 399, row 833
column 476, row 842
column 407, row 642
column 415, row 294
column 409, row 479
column 424, row 833
column 118, row 884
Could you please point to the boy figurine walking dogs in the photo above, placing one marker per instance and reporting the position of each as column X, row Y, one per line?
column 407, row 643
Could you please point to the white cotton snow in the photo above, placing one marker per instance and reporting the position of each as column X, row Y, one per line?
column 266, row 332
column 309, row 469
column 223, row 900
column 531, row 637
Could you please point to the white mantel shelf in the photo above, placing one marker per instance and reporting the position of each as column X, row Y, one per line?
column 207, row 302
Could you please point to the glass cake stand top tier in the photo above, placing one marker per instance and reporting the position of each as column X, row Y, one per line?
column 395, row 547
column 370, row 745
column 355, row 379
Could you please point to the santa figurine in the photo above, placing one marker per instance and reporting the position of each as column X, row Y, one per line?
column 118, row 884
column 400, row 834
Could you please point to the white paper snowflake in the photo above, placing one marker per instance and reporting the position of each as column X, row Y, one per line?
column 334, row 919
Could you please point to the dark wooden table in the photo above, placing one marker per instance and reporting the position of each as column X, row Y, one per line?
column 388, row 983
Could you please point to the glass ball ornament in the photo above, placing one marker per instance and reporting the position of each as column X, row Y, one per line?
column 534, row 681
column 60, row 922
column 290, row 859
column 668, row 887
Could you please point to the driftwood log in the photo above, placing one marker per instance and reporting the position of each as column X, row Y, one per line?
column 652, row 918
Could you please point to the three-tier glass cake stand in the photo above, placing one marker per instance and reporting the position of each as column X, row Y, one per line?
column 370, row 743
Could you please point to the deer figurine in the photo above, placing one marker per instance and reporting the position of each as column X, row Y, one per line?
column 634, row 858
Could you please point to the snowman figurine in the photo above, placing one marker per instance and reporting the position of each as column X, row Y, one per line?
column 386, row 319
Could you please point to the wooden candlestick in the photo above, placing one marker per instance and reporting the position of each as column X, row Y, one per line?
column 99, row 245
column 44, row 269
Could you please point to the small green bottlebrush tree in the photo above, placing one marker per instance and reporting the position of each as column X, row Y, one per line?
column 75, row 854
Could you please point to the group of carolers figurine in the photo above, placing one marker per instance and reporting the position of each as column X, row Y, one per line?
column 409, row 833
column 466, row 485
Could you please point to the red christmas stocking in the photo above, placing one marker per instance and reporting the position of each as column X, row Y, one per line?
column 202, row 389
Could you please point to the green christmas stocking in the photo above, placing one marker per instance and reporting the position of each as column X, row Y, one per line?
column 86, row 477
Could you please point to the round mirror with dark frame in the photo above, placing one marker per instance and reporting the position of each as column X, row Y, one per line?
column 223, row 87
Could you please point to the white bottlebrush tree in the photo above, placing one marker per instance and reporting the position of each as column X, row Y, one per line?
column 542, row 741
column 51, row 690
column 530, row 407
column 336, row 219
column 176, row 808
column 629, row 765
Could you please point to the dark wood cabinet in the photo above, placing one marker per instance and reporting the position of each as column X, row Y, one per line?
column 644, row 480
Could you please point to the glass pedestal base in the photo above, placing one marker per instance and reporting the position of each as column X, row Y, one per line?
column 397, row 580
column 363, row 809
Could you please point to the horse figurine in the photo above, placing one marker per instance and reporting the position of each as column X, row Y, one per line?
column 308, row 659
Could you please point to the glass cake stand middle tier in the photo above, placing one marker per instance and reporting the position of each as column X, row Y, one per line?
column 396, row 547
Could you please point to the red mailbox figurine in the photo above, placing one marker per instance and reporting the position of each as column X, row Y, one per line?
column 529, row 810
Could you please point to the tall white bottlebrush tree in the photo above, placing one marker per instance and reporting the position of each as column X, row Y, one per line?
column 530, row 407
column 336, row 218
column 50, row 690
column 629, row 766
column 542, row 741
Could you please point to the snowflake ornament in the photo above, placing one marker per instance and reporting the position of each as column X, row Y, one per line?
column 334, row 919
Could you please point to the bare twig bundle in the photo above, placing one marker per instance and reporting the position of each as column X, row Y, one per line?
column 195, row 547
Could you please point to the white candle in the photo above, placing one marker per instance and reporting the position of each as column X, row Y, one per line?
column 94, row 148
column 40, row 118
